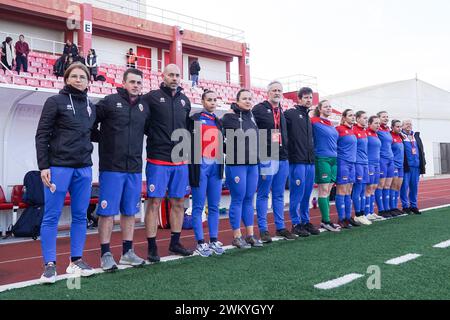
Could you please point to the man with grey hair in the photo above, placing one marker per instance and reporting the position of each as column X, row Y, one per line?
column 274, row 168
column 169, row 110
column 414, row 166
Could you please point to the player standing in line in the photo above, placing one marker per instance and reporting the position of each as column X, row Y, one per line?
column 301, row 163
column 398, row 150
column 206, row 172
column 241, row 136
column 346, row 159
column 325, row 148
column 414, row 166
column 124, row 118
column 63, row 149
column 373, row 152
column 169, row 109
column 382, row 194
column 361, row 168
column 274, row 172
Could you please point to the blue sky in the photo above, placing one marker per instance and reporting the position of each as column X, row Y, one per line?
column 346, row 44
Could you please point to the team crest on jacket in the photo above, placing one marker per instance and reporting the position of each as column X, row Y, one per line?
column 269, row 111
column 119, row 105
column 183, row 102
column 53, row 188
column 104, row 204
column 301, row 116
column 298, row 183
column 237, row 179
column 162, row 100
column 141, row 107
column 151, row 188
column 89, row 110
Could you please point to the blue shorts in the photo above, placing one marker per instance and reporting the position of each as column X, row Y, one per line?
column 374, row 174
column 345, row 172
column 399, row 172
column 386, row 168
column 362, row 173
column 171, row 179
column 119, row 193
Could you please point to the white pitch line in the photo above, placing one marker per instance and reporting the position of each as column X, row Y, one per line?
column 332, row 284
column 435, row 208
column 443, row 245
column 30, row 283
column 403, row 259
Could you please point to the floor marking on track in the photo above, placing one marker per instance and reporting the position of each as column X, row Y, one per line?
column 403, row 259
column 443, row 245
column 332, row 284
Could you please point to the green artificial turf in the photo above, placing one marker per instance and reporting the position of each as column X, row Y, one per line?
column 288, row 270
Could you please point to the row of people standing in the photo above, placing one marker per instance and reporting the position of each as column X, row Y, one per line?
column 368, row 161
column 69, row 122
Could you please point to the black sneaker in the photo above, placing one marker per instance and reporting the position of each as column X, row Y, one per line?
column 393, row 213
column 397, row 212
column 265, row 237
column 179, row 250
column 344, row 224
column 385, row 214
column 300, row 231
column 284, row 233
column 354, row 223
column 153, row 256
column 407, row 210
column 415, row 211
column 311, row 229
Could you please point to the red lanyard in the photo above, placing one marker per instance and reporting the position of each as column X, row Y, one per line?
column 276, row 117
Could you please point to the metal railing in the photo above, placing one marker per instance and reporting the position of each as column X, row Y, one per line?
column 136, row 8
column 290, row 83
column 38, row 44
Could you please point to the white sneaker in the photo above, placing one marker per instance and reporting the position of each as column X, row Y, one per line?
column 379, row 218
column 367, row 221
column 49, row 275
column 361, row 220
column 371, row 217
column 80, row 268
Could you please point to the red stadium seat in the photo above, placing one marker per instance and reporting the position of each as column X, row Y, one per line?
column 16, row 197
column 19, row 81
column 32, row 82
column 4, row 205
column 47, row 84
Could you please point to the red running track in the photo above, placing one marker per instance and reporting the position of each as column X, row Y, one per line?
column 23, row 261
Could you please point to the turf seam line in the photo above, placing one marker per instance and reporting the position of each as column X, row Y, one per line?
column 336, row 283
column 403, row 259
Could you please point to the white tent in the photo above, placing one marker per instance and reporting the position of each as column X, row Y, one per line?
column 428, row 106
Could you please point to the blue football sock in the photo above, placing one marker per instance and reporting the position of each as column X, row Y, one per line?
column 340, row 206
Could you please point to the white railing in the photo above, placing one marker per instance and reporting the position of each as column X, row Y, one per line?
column 38, row 44
column 140, row 9
column 290, row 83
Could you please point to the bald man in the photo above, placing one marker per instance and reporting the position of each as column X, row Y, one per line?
column 169, row 109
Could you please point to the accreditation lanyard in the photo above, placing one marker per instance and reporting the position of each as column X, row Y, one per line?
column 276, row 136
column 413, row 144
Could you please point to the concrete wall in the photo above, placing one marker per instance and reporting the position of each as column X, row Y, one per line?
column 211, row 69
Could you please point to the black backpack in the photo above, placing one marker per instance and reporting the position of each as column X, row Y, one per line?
column 33, row 189
column 29, row 223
